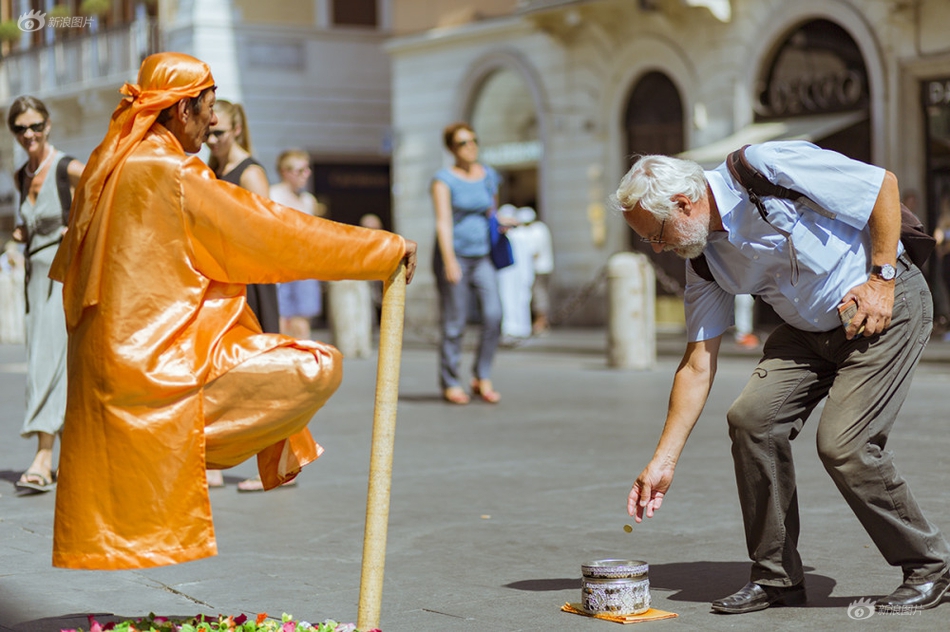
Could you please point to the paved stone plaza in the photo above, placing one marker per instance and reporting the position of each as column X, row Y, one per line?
column 494, row 508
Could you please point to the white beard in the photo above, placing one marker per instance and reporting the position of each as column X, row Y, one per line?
column 693, row 234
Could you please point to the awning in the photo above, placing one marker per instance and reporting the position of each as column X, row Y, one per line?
column 811, row 128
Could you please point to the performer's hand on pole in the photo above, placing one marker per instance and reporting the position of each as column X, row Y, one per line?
column 410, row 259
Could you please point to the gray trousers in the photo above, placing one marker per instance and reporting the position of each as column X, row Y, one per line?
column 864, row 382
column 479, row 282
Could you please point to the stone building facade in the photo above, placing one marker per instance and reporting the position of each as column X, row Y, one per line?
column 311, row 74
column 564, row 93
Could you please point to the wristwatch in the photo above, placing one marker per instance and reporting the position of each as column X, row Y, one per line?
column 886, row 271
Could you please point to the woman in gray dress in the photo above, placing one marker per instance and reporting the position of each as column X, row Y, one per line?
column 45, row 191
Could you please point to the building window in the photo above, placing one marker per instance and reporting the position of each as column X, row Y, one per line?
column 354, row 13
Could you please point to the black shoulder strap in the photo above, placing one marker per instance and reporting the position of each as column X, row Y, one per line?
column 21, row 186
column 701, row 267
column 62, row 186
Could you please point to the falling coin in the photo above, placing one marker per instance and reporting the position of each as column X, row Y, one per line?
column 627, row 528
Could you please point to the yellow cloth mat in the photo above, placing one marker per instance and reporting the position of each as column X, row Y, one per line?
column 650, row 615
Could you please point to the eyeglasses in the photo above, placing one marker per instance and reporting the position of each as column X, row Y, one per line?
column 36, row 128
column 466, row 141
column 658, row 239
column 218, row 133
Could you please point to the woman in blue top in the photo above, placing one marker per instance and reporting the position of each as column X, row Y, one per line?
column 463, row 195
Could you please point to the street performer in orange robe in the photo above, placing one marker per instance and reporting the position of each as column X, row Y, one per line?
column 168, row 368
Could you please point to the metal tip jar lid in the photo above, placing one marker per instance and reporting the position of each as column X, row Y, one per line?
column 615, row 569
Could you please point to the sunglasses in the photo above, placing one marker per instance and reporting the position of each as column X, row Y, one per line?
column 218, row 133
column 36, row 128
column 463, row 143
column 658, row 239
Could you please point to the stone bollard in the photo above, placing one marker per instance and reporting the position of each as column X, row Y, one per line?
column 351, row 317
column 631, row 325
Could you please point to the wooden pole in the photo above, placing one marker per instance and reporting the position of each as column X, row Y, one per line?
column 381, row 456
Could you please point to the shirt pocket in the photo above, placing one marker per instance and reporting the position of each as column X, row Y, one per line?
column 818, row 249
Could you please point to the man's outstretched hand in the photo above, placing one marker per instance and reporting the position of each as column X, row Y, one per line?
column 647, row 493
column 410, row 259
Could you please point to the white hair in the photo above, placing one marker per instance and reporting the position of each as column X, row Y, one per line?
column 654, row 180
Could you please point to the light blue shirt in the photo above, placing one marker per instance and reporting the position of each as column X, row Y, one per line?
column 750, row 257
column 471, row 201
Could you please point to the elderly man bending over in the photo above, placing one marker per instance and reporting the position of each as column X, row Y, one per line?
column 805, row 264
column 168, row 367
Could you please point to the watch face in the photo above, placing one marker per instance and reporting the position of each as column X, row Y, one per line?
column 886, row 271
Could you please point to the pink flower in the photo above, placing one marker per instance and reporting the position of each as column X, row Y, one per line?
column 290, row 626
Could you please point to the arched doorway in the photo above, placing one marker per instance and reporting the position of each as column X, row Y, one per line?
column 818, row 69
column 653, row 122
column 505, row 118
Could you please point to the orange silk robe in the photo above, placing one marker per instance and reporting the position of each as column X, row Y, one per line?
column 177, row 250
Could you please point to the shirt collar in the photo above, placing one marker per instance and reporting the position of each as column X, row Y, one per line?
column 727, row 199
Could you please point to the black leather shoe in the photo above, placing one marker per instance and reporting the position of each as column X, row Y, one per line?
column 754, row 597
column 916, row 596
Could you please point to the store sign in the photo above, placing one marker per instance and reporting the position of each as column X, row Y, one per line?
column 815, row 93
column 507, row 154
column 938, row 92
column 817, row 70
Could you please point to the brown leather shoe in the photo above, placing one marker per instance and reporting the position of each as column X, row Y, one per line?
column 915, row 596
column 754, row 597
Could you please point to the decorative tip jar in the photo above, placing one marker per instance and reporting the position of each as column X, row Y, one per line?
column 618, row 587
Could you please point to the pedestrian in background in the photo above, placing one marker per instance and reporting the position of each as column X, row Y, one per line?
column 515, row 281
column 463, row 195
column 12, row 304
column 859, row 366
column 745, row 316
column 45, row 184
column 231, row 161
column 372, row 220
column 299, row 301
column 941, row 263
column 543, row 257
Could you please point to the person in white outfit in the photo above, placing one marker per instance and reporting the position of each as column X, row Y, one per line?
column 543, row 267
column 515, row 281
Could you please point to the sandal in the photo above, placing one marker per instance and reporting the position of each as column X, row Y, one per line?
column 26, row 488
column 455, row 395
column 215, row 478
column 483, row 389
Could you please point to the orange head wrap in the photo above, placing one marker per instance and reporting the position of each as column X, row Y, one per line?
column 164, row 80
